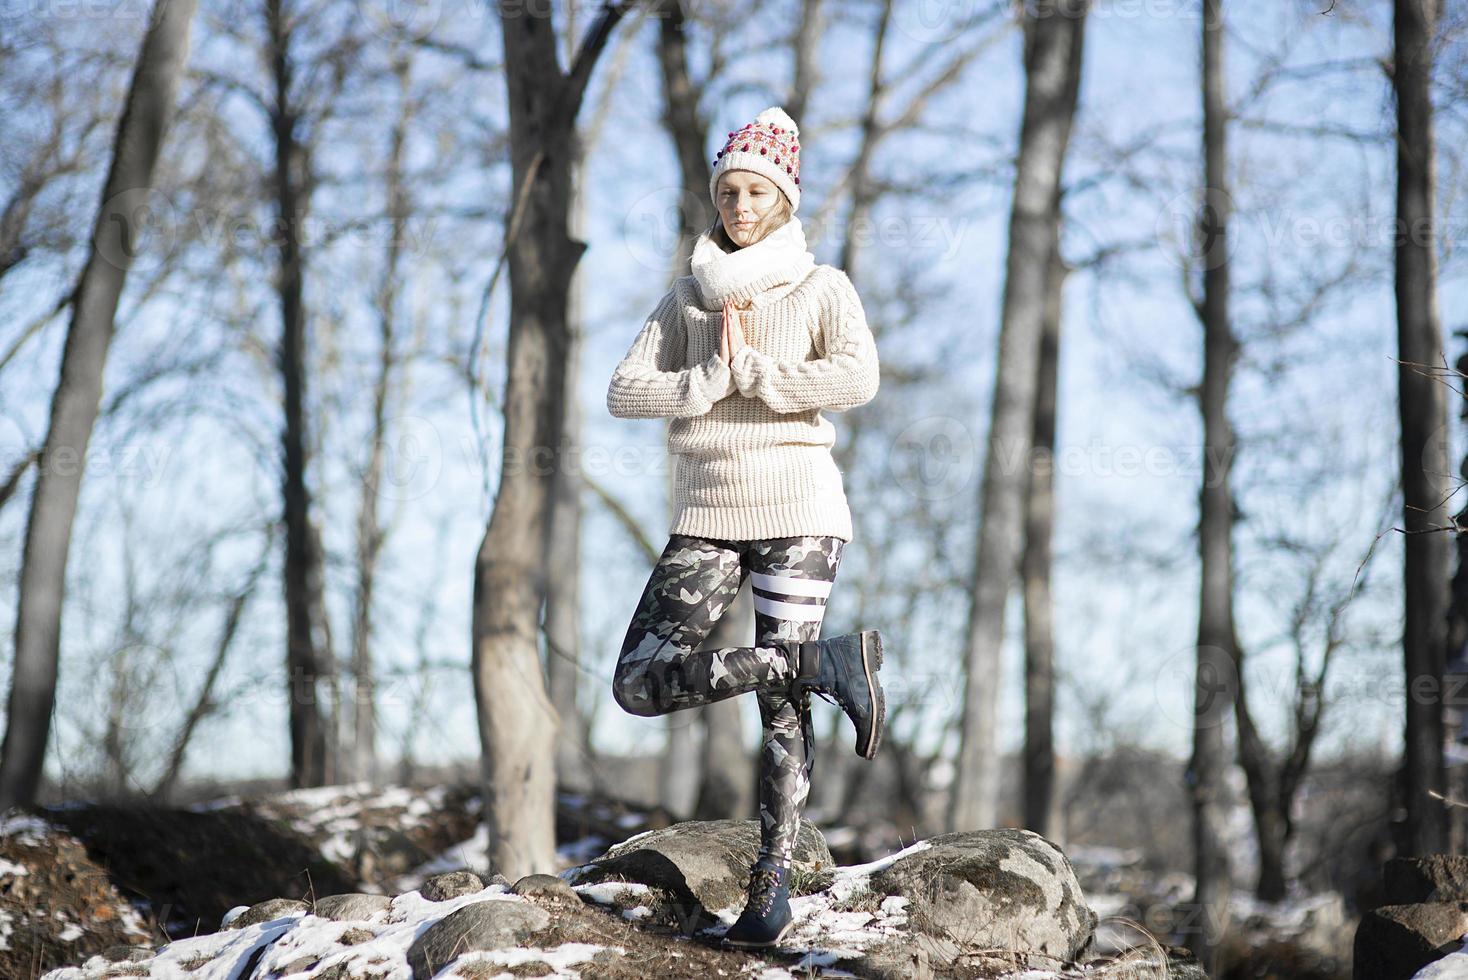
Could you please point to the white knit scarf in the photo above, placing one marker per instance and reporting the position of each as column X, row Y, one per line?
column 779, row 257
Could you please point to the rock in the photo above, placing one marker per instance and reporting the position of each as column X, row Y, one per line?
column 493, row 879
column 1431, row 878
column 546, row 886
column 703, row 862
column 1398, row 940
column 490, row 924
column 1003, row 889
column 451, row 884
column 355, row 935
column 299, row 965
column 271, row 908
column 127, row 954
column 352, row 905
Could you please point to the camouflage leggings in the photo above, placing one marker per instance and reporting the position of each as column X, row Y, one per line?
column 661, row 669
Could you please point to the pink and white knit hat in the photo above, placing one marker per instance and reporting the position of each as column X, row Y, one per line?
column 770, row 146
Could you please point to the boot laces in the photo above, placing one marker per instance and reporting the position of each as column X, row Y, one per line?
column 764, row 882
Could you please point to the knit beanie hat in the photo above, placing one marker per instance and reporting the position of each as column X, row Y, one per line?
column 770, row 147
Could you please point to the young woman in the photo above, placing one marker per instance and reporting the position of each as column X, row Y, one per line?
column 743, row 355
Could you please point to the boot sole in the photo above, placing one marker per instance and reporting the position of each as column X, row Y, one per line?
column 871, row 661
column 751, row 944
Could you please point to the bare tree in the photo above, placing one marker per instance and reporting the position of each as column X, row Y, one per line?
column 302, row 569
column 517, row 722
column 1053, row 42
column 371, row 532
column 1422, row 408
column 1039, row 745
column 1275, row 780
column 140, row 133
column 562, row 601
column 1216, row 673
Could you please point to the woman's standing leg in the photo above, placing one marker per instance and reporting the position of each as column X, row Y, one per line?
column 792, row 580
column 660, row 668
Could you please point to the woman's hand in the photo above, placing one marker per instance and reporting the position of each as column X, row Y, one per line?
column 731, row 334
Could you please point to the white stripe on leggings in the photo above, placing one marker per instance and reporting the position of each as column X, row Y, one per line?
column 805, row 612
column 790, row 585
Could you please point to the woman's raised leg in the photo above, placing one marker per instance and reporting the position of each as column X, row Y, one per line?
column 660, row 668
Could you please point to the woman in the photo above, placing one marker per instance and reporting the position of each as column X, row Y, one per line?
column 743, row 355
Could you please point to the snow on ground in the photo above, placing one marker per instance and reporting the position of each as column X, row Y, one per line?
column 333, row 814
column 303, row 936
column 840, row 922
column 854, row 878
column 27, row 829
column 822, row 921
column 1454, row 966
column 608, row 892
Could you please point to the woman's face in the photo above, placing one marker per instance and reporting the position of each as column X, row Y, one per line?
column 745, row 200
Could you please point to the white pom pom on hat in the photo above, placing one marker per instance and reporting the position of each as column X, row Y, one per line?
column 770, row 146
column 777, row 117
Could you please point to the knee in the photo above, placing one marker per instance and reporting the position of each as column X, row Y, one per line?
column 632, row 690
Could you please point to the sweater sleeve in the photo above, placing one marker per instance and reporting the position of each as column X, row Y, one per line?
column 845, row 376
column 647, row 383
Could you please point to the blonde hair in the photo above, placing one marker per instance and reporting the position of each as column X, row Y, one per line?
column 774, row 218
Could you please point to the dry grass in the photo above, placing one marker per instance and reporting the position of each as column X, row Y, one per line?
column 861, row 900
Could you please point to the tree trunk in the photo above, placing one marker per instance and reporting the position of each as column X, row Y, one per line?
column 688, row 129
column 140, row 133
column 1052, row 58
column 1455, row 650
column 371, row 536
column 562, row 599
column 1422, row 407
column 1215, row 677
column 517, row 722
column 807, row 57
column 302, row 561
column 1271, row 812
column 1039, row 748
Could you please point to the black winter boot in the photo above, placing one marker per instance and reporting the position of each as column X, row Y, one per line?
column 766, row 917
column 843, row 670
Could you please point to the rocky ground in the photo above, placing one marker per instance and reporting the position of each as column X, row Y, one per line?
column 392, row 883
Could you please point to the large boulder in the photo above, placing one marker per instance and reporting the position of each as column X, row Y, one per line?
column 1430, row 878
column 490, row 924
column 1003, row 889
column 1395, row 941
column 703, row 862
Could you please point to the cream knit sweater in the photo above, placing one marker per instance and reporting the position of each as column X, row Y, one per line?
column 752, row 449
